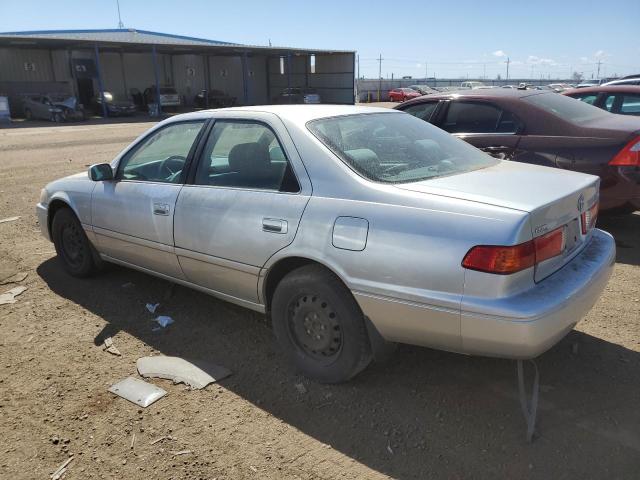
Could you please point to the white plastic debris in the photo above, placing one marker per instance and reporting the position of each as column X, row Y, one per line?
column 60, row 471
column 152, row 307
column 137, row 391
column 9, row 219
column 10, row 295
column 164, row 320
column 110, row 347
column 196, row 374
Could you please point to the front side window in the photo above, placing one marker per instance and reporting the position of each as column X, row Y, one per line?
column 245, row 154
column 161, row 157
column 396, row 147
column 475, row 117
column 423, row 111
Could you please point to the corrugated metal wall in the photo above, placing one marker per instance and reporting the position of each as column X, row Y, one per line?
column 333, row 77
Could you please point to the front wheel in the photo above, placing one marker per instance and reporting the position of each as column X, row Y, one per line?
column 72, row 245
column 319, row 325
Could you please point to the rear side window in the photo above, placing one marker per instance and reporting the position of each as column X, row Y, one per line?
column 565, row 108
column 475, row 117
column 630, row 105
column 423, row 110
column 245, row 154
column 588, row 98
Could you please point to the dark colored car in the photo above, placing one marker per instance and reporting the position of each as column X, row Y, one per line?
column 623, row 100
column 402, row 94
column 213, row 99
column 117, row 104
column 297, row 95
column 544, row 128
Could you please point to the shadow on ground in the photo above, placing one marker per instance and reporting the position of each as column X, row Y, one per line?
column 626, row 230
column 424, row 413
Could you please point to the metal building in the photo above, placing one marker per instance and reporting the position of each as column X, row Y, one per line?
column 85, row 62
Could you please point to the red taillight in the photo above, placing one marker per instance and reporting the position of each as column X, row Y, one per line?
column 505, row 260
column 588, row 218
column 629, row 156
column 550, row 244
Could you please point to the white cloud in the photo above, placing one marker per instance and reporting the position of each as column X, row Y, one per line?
column 584, row 59
column 535, row 60
column 599, row 54
column 499, row 53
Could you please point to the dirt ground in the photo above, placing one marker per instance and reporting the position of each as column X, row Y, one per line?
column 423, row 414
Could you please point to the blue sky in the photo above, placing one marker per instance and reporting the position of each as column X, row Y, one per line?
column 454, row 38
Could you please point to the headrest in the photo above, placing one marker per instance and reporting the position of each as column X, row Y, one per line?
column 364, row 158
column 250, row 158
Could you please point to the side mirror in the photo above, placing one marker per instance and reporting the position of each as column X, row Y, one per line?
column 100, row 172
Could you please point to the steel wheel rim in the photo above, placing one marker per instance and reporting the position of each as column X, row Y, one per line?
column 314, row 327
column 72, row 245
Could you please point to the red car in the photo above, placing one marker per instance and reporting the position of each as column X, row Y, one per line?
column 544, row 128
column 402, row 94
column 620, row 99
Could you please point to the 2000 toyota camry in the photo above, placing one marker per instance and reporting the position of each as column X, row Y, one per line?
column 346, row 225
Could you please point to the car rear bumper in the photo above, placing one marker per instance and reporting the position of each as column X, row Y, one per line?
column 620, row 187
column 42, row 213
column 521, row 326
column 527, row 324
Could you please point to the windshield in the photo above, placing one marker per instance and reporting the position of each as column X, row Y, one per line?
column 566, row 107
column 396, row 147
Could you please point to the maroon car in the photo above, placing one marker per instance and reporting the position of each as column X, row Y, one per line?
column 402, row 94
column 620, row 99
column 544, row 128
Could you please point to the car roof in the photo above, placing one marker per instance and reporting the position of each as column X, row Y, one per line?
column 294, row 113
column 605, row 89
column 482, row 94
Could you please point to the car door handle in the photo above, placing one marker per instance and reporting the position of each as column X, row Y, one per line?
column 161, row 209
column 274, row 225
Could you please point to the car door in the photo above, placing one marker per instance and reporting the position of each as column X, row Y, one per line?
column 132, row 215
column 243, row 204
column 483, row 125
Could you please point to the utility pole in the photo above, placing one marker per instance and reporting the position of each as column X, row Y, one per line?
column 120, row 24
column 358, row 63
column 379, row 75
column 599, row 63
column 426, row 72
column 484, row 71
column 508, row 61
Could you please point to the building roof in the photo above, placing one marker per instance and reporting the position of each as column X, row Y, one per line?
column 129, row 36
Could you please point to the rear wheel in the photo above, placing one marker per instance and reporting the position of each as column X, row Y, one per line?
column 319, row 325
column 72, row 245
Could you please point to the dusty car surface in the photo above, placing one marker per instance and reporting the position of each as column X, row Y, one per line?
column 348, row 226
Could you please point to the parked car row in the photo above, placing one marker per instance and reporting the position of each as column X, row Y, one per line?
column 55, row 107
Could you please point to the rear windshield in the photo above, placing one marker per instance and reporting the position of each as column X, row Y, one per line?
column 167, row 90
column 566, row 108
column 397, row 147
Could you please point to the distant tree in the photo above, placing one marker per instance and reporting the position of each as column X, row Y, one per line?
column 577, row 76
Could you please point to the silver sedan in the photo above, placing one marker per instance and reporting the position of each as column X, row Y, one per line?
column 352, row 227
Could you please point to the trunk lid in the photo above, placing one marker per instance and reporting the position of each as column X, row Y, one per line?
column 552, row 198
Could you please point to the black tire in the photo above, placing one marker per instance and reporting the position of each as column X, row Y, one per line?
column 319, row 325
column 72, row 245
